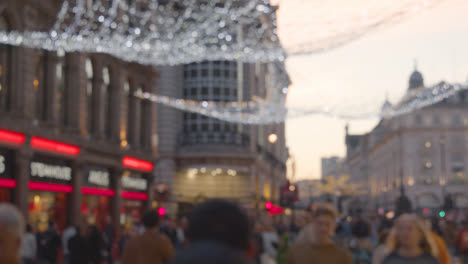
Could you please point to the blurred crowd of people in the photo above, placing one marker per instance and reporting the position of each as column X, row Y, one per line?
column 219, row 231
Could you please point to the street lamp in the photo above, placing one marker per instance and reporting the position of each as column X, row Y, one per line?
column 272, row 138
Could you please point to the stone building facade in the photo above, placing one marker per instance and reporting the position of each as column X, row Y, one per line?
column 75, row 144
column 426, row 151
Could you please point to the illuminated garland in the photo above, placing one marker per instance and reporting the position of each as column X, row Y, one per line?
column 260, row 112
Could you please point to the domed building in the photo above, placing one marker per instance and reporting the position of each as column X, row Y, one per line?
column 425, row 150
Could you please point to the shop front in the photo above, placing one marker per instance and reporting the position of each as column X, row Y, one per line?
column 135, row 196
column 50, row 183
column 97, row 198
column 7, row 181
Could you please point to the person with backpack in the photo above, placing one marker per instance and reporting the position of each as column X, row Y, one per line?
column 462, row 241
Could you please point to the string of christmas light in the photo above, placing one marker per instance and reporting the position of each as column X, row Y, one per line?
column 260, row 112
column 161, row 32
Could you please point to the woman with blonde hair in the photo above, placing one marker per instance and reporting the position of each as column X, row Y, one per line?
column 410, row 242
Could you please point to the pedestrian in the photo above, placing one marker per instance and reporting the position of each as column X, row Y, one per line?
column 67, row 235
column 29, row 246
column 314, row 242
column 220, row 221
column 449, row 234
column 410, row 243
column 181, row 230
column 270, row 240
column 96, row 245
column 11, row 232
column 124, row 238
column 149, row 247
column 108, row 235
column 462, row 241
column 49, row 243
column 381, row 251
column 361, row 231
column 78, row 247
column 432, row 225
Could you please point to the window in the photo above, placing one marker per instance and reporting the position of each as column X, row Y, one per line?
column 216, row 73
column 227, row 92
column 193, row 92
column 457, row 120
column 204, row 92
column 204, row 72
column 61, row 97
column 216, row 91
column 124, row 115
column 457, row 173
column 427, row 173
column 436, row 120
column 226, row 73
column 106, row 92
column 89, row 95
column 418, row 120
column 194, row 73
column 5, row 62
column 38, row 85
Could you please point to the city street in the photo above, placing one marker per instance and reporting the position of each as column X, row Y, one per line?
column 233, row 131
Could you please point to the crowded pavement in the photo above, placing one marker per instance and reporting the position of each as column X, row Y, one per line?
column 219, row 231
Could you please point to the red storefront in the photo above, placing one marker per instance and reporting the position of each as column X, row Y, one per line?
column 8, row 141
column 135, row 186
column 98, row 194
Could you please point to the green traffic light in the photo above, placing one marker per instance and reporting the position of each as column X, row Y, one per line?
column 442, row 214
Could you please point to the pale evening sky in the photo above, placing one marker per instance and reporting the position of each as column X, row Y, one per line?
column 358, row 75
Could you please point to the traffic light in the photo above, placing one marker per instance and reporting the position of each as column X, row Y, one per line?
column 268, row 206
column 161, row 211
column 442, row 214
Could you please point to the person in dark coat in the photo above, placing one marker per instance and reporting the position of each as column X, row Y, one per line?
column 96, row 245
column 49, row 243
column 77, row 246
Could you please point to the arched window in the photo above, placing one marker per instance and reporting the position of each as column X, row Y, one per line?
column 107, row 102
column 89, row 95
column 124, row 115
column 39, row 86
column 5, row 72
column 61, row 97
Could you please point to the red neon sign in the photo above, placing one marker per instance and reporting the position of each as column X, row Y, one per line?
column 11, row 137
column 97, row 191
column 7, row 183
column 137, row 164
column 50, row 187
column 54, row 146
column 134, row 195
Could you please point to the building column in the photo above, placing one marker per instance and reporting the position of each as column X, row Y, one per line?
column 116, row 201
column 22, row 161
column 76, row 196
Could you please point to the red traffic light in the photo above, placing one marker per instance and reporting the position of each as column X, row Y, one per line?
column 268, row 205
column 161, row 211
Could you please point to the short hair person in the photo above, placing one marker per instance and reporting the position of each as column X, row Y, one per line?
column 149, row 247
column 11, row 231
column 220, row 221
column 314, row 242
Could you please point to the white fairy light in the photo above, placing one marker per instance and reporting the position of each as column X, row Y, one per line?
column 261, row 112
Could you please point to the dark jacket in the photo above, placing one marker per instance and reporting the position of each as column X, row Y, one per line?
column 48, row 244
column 78, row 250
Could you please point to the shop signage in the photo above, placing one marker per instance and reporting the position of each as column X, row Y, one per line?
column 5, row 165
column 47, row 172
column 99, row 177
column 138, row 184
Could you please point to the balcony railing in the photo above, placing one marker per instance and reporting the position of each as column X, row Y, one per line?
column 212, row 138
